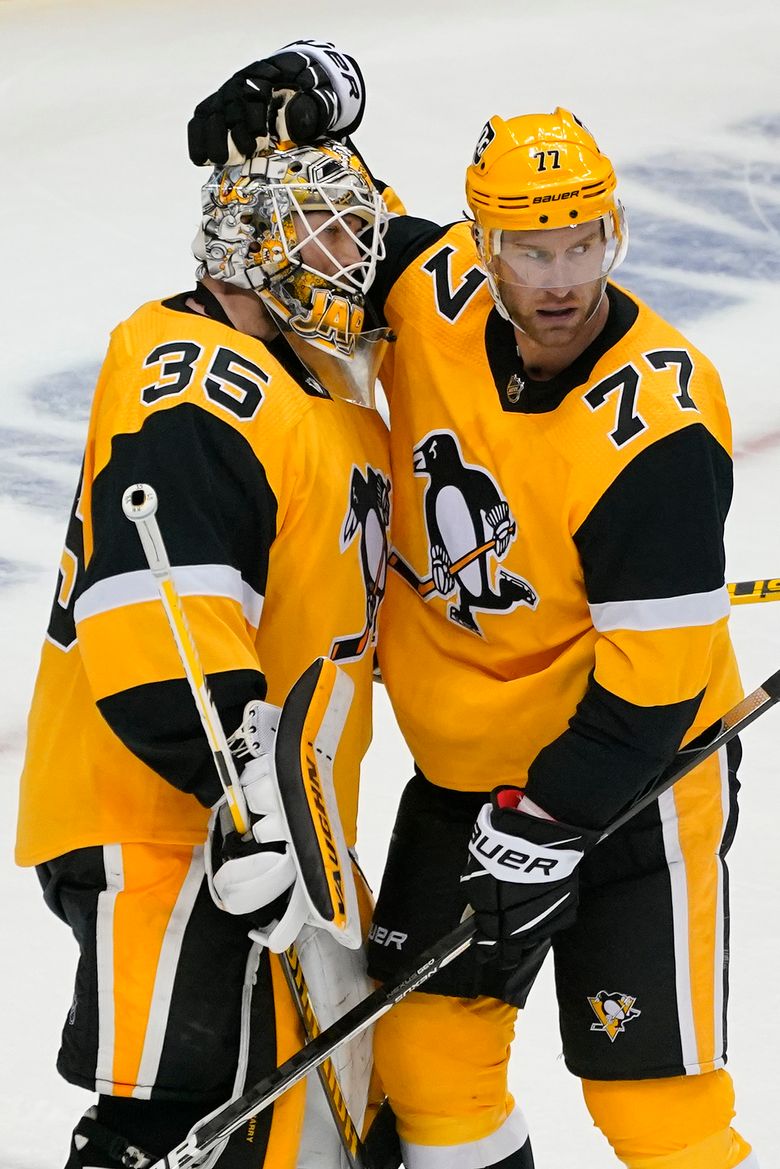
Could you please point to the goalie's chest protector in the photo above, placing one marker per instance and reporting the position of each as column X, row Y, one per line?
column 274, row 505
column 487, row 639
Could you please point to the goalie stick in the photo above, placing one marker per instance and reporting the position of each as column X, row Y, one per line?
column 209, row 1132
column 293, row 973
column 139, row 503
column 381, row 1148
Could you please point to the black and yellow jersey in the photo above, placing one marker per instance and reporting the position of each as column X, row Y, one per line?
column 273, row 503
column 556, row 613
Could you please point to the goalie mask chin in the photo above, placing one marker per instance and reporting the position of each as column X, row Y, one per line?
column 303, row 227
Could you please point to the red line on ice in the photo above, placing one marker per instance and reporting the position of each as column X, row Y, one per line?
column 758, row 445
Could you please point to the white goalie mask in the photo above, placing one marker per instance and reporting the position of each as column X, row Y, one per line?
column 303, row 227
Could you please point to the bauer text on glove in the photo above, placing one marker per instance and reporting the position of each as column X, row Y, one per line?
column 521, row 874
column 305, row 91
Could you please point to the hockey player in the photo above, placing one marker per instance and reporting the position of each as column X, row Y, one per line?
column 555, row 626
column 254, row 459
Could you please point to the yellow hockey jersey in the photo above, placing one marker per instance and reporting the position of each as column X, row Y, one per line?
column 274, row 505
column 556, row 612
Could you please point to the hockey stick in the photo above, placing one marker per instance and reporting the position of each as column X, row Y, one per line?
column 733, row 723
column 139, row 503
column 748, row 592
column 381, row 1148
column 209, row 1132
column 299, row 992
column 741, row 592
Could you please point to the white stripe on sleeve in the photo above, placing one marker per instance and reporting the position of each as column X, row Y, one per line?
column 191, row 580
column 662, row 612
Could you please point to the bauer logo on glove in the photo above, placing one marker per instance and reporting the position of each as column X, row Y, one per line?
column 304, row 92
column 521, row 874
column 499, row 854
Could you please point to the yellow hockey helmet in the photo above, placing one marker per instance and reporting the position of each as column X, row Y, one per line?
column 536, row 174
column 539, row 171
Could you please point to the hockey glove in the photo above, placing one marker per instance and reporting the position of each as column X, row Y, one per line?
column 256, row 874
column 305, row 91
column 293, row 867
column 521, row 875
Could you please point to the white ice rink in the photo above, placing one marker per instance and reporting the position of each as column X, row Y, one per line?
column 99, row 204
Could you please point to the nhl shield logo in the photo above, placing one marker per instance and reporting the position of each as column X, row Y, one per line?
column 613, row 1011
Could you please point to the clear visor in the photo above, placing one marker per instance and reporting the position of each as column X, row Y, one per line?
column 333, row 231
column 350, row 376
column 562, row 257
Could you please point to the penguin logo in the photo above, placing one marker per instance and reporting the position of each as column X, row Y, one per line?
column 467, row 521
column 613, row 1011
column 369, row 514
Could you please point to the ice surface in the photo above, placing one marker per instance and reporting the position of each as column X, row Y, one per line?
column 99, row 207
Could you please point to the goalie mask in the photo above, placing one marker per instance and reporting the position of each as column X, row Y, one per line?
column 544, row 205
column 303, row 228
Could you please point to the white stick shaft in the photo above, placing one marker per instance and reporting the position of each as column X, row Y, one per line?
column 139, row 504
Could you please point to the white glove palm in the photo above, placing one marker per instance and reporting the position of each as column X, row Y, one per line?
column 256, row 874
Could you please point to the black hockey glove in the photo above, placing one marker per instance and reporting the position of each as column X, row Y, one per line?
column 521, row 875
column 304, row 92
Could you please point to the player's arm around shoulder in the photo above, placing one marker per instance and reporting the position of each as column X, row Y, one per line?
column 431, row 274
column 304, row 92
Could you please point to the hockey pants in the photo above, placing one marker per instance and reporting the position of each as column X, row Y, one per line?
column 444, row 1066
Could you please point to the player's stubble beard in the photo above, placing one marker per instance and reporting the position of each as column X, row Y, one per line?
column 553, row 319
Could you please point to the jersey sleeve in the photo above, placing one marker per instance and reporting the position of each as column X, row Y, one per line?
column 406, row 238
column 654, row 569
column 392, row 200
column 218, row 515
